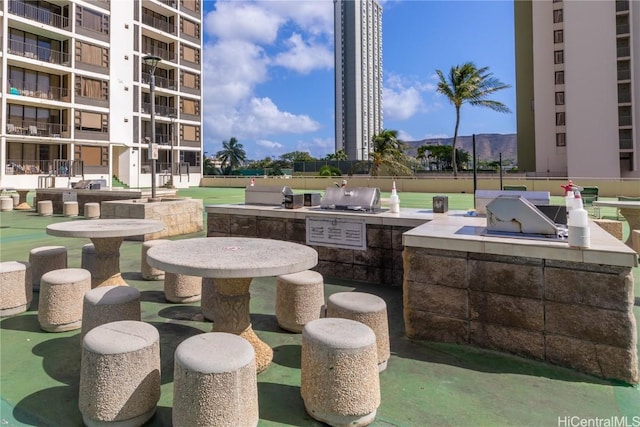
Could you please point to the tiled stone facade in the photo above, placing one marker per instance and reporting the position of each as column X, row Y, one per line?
column 180, row 216
column 380, row 263
column 572, row 314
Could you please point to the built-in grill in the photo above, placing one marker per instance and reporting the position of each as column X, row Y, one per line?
column 355, row 199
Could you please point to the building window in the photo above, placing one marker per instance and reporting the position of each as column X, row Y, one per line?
column 559, row 98
column 190, row 54
column 557, row 16
column 92, row 20
column 559, row 77
column 190, row 133
column 624, row 116
column 92, row 88
column 90, row 121
column 561, row 139
column 625, row 139
column 190, row 80
column 558, row 36
column 92, row 54
column 190, row 106
column 92, row 155
column 558, row 57
column 190, row 28
column 193, row 5
column 560, row 121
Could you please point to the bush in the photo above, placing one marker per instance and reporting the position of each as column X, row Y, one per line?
column 328, row 170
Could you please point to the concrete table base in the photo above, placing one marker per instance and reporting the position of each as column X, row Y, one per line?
column 107, row 266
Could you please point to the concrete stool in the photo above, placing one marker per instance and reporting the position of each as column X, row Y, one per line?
column 61, row 295
column 88, row 261
column 45, row 208
column 181, row 288
column 45, row 259
column 299, row 299
column 16, row 290
column 120, row 374
column 148, row 272
column 109, row 304
column 340, row 382
column 6, row 204
column 368, row 309
column 92, row 210
column 218, row 371
column 70, row 209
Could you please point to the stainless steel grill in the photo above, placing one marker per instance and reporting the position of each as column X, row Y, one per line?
column 357, row 199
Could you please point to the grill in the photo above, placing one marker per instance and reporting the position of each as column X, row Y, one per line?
column 356, row 199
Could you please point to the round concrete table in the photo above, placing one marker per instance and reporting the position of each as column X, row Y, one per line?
column 107, row 236
column 630, row 211
column 229, row 264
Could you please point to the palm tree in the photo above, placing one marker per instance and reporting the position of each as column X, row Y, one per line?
column 468, row 84
column 388, row 154
column 232, row 155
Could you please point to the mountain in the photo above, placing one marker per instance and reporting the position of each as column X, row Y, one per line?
column 488, row 146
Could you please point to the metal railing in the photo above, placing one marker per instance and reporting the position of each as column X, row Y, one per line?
column 39, row 14
column 31, row 128
column 158, row 24
column 161, row 138
column 165, row 54
column 161, row 110
column 162, row 82
column 34, row 90
column 30, row 50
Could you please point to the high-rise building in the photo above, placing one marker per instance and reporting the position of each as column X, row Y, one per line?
column 75, row 98
column 578, row 93
column 358, row 75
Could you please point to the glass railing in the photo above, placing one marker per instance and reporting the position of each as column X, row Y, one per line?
column 158, row 24
column 161, row 110
column 626, row 120
column 624, row 75
column 39, row 14
column 623, row 52
column 161, row 138
column 33, row 51
column 622, row 29
column 622, row 5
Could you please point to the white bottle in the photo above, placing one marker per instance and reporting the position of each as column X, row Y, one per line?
column 578, row 225
column 394, row 200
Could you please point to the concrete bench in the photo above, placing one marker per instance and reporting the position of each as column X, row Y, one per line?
column 218, row 371
column 368, row 309
column 120, row 374
column 16, row 291
column 484, row 197
column 107, row 304
column 299, row 299
column 61, row 295
column 340, row 382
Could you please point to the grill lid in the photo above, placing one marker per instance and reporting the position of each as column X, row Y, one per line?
column 361, row 199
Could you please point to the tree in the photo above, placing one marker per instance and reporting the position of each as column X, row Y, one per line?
column 468, row 84
column 338, row 155
column 232, row 155
column 297, row 156
column 388, row 154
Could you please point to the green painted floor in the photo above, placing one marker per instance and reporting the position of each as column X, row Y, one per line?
column 425, row 384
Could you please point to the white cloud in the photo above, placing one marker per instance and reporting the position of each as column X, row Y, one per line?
column 317, row 147
column 269, row 144
column 242, row 20
column 403, row 97
column 316, row 17
column 405, row 136
column 304, row 57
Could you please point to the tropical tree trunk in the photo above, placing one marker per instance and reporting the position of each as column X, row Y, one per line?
column 454, row 162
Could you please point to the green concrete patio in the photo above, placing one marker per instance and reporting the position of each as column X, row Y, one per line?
column 425, row 384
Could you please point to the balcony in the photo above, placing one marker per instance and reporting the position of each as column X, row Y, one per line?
column 622, row 29
column 159, row 24
column 170, row 3
column 32, row 51
column 167, row 55
column 34, row 90
column 31, row 128
column 38, row 14
column 161, row 110
column 161, row 82
column 161, row 138
column 622, row 5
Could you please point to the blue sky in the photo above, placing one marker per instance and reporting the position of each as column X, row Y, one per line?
column 268, row 70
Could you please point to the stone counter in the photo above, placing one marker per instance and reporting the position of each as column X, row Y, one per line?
column 538, row 299
column 380, row 263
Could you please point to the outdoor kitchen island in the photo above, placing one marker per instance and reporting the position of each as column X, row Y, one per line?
column 535, row 298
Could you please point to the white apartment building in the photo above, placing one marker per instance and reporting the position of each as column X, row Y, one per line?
column 75, row 94
column 358, row 75
column 578, row 87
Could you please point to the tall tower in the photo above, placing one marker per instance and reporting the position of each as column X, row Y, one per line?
column 578, row 92
column 75, row 95
column 358, row 75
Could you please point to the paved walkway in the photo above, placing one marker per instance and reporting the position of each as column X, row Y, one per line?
column 425, row 384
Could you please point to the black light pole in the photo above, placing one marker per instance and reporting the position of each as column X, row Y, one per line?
column 501, row 188
column 172, row 116
column 152, row 61
column 475, row 171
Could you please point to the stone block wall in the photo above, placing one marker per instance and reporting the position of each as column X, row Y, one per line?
column 380, row 263
column 571, row 314
column 180, row 216
column 82, row 197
